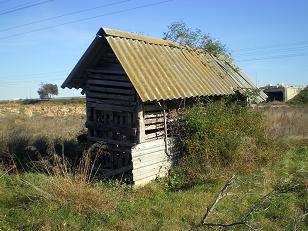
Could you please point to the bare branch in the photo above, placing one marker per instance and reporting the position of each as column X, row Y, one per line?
column 243, row 220
column 214, row 203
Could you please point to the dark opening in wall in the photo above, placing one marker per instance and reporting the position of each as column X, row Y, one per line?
column 274, row 96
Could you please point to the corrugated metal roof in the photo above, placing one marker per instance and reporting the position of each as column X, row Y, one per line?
column 162, row 70
column 243, row 82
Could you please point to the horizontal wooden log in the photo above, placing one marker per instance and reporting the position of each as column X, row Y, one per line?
column 158, row 156
column 149, row 162
column 148, row 115
column 148, row 167
column 110, row 83
column 155, row 155
column 148, row 145
column 109, row 68
column 154, row 126
column 91, row 124
column 110, row 90
column 157, row 135
column 109, row 107
column 106, row 102
column 92, row 94
column 154, row 120
column 122, row 78
column 138, row 153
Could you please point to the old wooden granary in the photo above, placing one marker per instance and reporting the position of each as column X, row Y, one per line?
column 132, row 85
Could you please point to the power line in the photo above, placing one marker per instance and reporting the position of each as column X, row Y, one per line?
column 17, row 6
column 273, row 57
column 86, row 19
column 11, row 10
column 64, row 15
column 276, row 51
column 270, row 47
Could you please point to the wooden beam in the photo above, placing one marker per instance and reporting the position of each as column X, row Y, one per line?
column 165, row 127
column 109, row 102
column 91, row 94
column 110, row 83
column 141, row 129
column 108, row 107
column 154, row 120
column 104, row 70
column 158, row 134
column 123, row 78
column 110, row 90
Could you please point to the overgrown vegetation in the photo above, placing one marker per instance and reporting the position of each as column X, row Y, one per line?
column 301, row 98
column 229, row 139
column 179, row 32
column 222, row 138
column 34, row 201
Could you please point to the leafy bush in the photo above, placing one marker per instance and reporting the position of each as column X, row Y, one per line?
column 219, row 138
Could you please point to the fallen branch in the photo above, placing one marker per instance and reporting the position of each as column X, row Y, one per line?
column 214, row 203
column 245, row 217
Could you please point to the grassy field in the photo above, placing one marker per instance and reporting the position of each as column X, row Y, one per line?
column 47, row 201
column 286, row 121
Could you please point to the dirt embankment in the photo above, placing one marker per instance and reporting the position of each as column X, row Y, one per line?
column 42, row 109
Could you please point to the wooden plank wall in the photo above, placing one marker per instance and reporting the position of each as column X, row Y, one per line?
column 153, row 121
column 151, row 161
column 111, row 112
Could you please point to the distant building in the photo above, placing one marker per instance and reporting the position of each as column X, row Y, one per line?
column 280, row 92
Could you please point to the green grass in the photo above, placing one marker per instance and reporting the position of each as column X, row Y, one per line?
column 34, row 201
column 23, row 206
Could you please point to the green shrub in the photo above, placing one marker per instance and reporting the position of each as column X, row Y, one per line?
column 220, row 138
column 301, row 98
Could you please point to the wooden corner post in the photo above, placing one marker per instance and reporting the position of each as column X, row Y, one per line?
column 141, row 128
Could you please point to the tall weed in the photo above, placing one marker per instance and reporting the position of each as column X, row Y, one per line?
column 220, row 138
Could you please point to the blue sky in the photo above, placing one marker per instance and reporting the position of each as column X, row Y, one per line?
column 268, row 39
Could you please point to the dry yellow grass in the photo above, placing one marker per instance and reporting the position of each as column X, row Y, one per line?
column 286, row 121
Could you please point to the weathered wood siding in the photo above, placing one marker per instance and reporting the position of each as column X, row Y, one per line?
column 151, row 161
column 134, row 132
column 111, row 112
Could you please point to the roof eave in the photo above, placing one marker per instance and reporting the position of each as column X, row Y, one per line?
column 80, row 66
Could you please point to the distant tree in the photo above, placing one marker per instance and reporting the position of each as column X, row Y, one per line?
column 179, row 32
column 47, row 90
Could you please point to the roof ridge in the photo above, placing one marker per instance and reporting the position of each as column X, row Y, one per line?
column 129, row 35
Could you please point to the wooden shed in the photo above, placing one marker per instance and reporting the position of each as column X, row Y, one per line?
column 132, row 85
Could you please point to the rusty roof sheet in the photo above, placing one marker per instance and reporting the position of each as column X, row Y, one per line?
column 161, row 69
